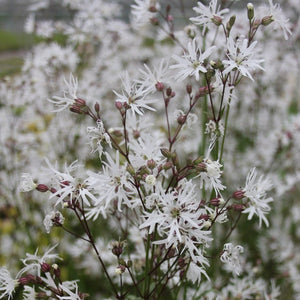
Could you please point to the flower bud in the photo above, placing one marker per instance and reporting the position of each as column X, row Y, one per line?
column 97, row 107
column 154, row 21
column 159, row 86
column 166, row 153
column 250, row 11
column 119, row 105
column 181, row 119
column 168, row 165
column 188, row 88
column 80, row 102
column 216, row 20
column 117, row 248
column 42, row 188
column 267, row 20
column 45, row 267
column 129, row 264
column 151, row 164
column 152, row 9
column 215, row 201
column 238, row 207
column 238, row 195
column 169, row 91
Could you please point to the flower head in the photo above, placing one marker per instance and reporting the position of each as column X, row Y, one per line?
column 208, row 15
column 278, row 19
column 70, row 95
column 192, row 61
column 255, row 191
column 230, row 256
column 7, row 284
column 134, row 96
column 242, row 57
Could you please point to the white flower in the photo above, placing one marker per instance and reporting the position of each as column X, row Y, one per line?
column 176, row 217
column 27, row 184
column 29, row 293
column 150, row 78
column 52, row 219
column 195, row 272
column 98, row 135
column 242, row 57
column 141, row 12
column 230, row 256
column 191, row 63
column 208, row 15
column 70, row 288
column 210, row 178
column 111, row 184
column 70, row 95
column 70, row 187
column 134, row 96
column 7, row 284
column 33, row 262
column 255, row 191
column 279, row 19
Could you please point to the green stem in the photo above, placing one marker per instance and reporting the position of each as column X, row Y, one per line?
column 225, row 129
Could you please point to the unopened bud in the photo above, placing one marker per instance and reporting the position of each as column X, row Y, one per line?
column 168, row 165
column 166, row 153
column 170, row 18
column 215, row 201
column 45, row 267
column 216, row 20
column 29, row 278
column 204, row 217
column 169, row 91
column 230, row 23
column 250, row 11
column 159, row 86
column 154, row 21
column 238, row 195
column 117, row 248
column 152, row 9
column 172, row 94
column 267, row 20
column 53, row 190
column 151, row 164
column 188, row 88
column 42, row 188
column 76, row 109
column 80, row 102
column 181, row 119
column 129, row 264
column 97, row 107
column 238, row 207
column 119, row 105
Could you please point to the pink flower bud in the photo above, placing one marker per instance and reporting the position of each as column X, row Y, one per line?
column 238, row 195
column 42, row 188
column 159, row 86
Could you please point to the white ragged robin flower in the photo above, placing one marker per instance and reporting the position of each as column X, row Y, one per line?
column 230, row 256
column 275, row 16
column 70, row 289
column 255, row 191
column 33, row 262
column 242, row 57
column 210, row 176
column 70, row 95
column 209, row 15
column 177, row 218
column 134, row 96
column 143, row 10
column 151, row 80
column 191, row 63
column 69, row 188
column 7, row 284
column 112, row 183
column 54, row 218
column 98, row 136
